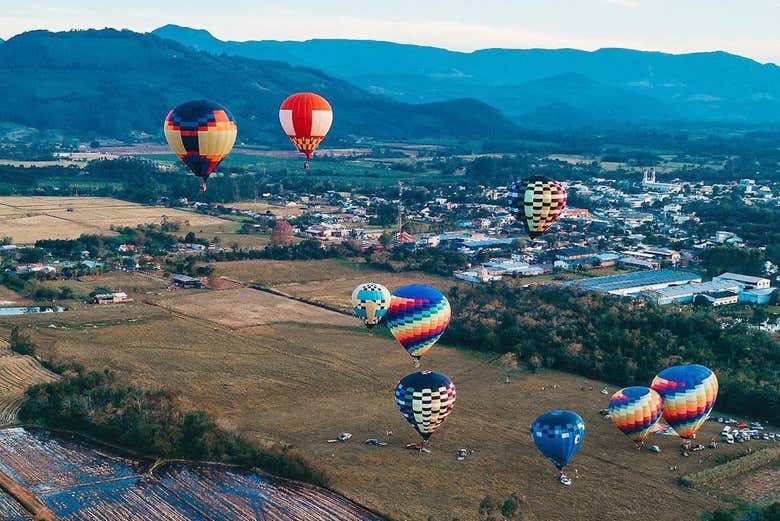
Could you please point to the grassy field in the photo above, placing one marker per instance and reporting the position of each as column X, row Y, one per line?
column 133, row 284
column 28, row 219
column 11, row 298
column 329, row 282
column 226, row 232
column 303, row 383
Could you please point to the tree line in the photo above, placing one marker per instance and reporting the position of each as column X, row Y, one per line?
column 618, row 341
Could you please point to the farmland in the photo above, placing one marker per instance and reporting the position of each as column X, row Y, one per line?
column 28, row 219
column 79, row 482
column 303, row 383
column 329, row 282
column 16, row 374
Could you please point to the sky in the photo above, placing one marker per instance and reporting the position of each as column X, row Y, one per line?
column 744, row 27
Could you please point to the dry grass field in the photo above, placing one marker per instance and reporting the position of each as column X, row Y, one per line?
column 329, row 282
column 134, row 284
column 302, row 384
column 27, row 219
column 244, row 307
column 11, row 298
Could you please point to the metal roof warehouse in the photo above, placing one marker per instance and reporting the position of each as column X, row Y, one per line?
column 637, row 282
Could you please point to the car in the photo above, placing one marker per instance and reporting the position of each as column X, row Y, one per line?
column 726, row 429
column 742, row 425
column 771, row 435
column 729, row 439
column 461, row 454
column 755, row 436
column 720, row 419
column 765, row 437
column 654, row 448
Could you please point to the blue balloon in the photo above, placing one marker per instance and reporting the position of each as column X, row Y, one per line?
column 558, row 435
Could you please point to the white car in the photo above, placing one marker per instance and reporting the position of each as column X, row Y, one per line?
column 729, row 439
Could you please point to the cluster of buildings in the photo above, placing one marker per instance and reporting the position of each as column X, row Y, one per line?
column 668, row 286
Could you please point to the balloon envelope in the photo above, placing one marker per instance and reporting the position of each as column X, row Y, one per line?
column 306, row 118
column 689, row 393
column 636, row 411
column 425, row 399
column 201, row 133
column 537, row 202
column 417, row 317
column 558, row 435
column 370, row 302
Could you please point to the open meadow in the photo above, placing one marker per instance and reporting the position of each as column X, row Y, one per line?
column 328, row 282
column 28, row 219
column 301, row 383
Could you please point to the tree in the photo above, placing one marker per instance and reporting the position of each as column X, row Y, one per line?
column 190, row 238
column 281, row 235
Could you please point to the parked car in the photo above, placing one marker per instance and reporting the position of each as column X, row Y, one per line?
column 739, row 439
column 729, row 439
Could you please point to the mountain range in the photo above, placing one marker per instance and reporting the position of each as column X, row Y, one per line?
column 548, row 87
column 109, row 83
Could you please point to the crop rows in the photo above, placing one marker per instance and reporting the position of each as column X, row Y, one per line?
column 736, row 467
column 17, row 373
column 43, row 463
column 247, row 496
column 10, row 510
column 121, row 500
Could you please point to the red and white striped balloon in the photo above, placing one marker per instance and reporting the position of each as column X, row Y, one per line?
column 306, row 118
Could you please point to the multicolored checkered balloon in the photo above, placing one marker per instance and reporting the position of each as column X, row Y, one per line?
column 636, row 411
column 417, row 317
column 689, row 393
column 537, row 202
column 370, row 302
column 425, row 399
column 201, row 133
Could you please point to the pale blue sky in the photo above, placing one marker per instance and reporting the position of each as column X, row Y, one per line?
column 746, row 27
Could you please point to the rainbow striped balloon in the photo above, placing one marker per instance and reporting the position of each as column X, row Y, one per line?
column 635, row 411
column 417, row 317
column 689, row 393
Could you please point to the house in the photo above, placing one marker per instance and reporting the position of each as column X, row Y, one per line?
column 110, row 298
column 639, row 262
column 183, row 281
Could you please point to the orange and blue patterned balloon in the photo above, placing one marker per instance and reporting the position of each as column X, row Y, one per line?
column 425, row 399
column 635, row 411
column 417, row 318
column 201, row 133
column 689, row 393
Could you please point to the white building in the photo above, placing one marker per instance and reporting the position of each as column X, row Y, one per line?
column 746, row 280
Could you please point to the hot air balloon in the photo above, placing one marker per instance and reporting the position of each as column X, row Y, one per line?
column 689, row 393
column 417, row 317
column 537, row 202
column 636, row 411
column 306, row 118
column 558, row 435
column 202, row 134
column 425, row 399
column 370, row 302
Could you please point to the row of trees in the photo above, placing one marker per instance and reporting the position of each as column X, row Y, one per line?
column 622, row 342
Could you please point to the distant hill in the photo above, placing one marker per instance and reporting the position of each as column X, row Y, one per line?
column 116, row 83
column 536, row 83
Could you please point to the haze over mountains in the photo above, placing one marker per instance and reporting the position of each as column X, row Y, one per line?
column 555, row 88
column 110, row 83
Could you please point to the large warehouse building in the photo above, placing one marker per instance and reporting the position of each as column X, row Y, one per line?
column 633, row 284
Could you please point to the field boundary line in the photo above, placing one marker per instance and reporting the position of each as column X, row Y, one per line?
column 735, row 467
